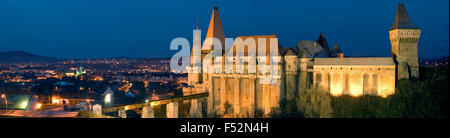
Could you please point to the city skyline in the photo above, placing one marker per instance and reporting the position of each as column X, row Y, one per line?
column 142, row 29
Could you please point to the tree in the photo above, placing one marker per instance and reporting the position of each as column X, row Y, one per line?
column 287, row 109
column 402, row 103
column 365, row 106
column 422, row 99
column 314, row 104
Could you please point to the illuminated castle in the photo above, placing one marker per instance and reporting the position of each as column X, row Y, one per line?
column 309, row 65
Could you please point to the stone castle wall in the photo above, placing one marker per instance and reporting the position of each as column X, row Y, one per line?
column 405, row 50
column 355, row 80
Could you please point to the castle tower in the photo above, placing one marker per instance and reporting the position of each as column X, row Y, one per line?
column 215, row 30
column 196, row 68
column 290, row 71
column 404, row 36
column 336, row 52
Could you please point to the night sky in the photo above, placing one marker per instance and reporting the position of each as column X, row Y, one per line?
column 145, row 28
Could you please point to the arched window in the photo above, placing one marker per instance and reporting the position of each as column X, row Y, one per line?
column 375, row 84
column 328, row 82
column 318, row 80
column 309, row 79
column 366, row 87
column 346, row 84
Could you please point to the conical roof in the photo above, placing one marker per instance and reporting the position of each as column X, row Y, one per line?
column 402, row 20
column 336, row 49
column 215, row 30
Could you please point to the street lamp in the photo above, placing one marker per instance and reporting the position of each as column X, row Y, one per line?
column 90, row 109
column 6, row 102
column 38, row 106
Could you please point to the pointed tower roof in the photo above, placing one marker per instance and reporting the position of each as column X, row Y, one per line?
column 402, row 20
column 197, row 24
column 336, row 49
column 215, row 30
column 321, row 40
column 336, row 52
column 196, row 47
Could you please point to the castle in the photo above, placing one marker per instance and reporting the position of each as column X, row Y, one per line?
column 309, row 65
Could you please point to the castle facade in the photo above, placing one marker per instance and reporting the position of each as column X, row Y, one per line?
column 309, row 65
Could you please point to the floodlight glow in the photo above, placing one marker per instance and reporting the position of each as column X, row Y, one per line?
column 108, row 98
column 24, row 104
column 38, row 106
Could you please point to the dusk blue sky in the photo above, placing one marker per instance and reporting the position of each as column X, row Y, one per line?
column 145, row 28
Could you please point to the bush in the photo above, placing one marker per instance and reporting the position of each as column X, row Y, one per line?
column 214, row 114
column 366, row 106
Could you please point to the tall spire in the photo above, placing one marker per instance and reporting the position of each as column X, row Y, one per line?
column 402, row 20
column 196, row 48
column 215, row 30
column 197, row 24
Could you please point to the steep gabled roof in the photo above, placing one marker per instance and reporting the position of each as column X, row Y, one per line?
column 402, row 20
column 311, row 49
column 289, row 51
column 321, row 40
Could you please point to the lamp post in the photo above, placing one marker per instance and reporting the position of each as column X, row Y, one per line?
column 6, row 102
column 90, row 109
